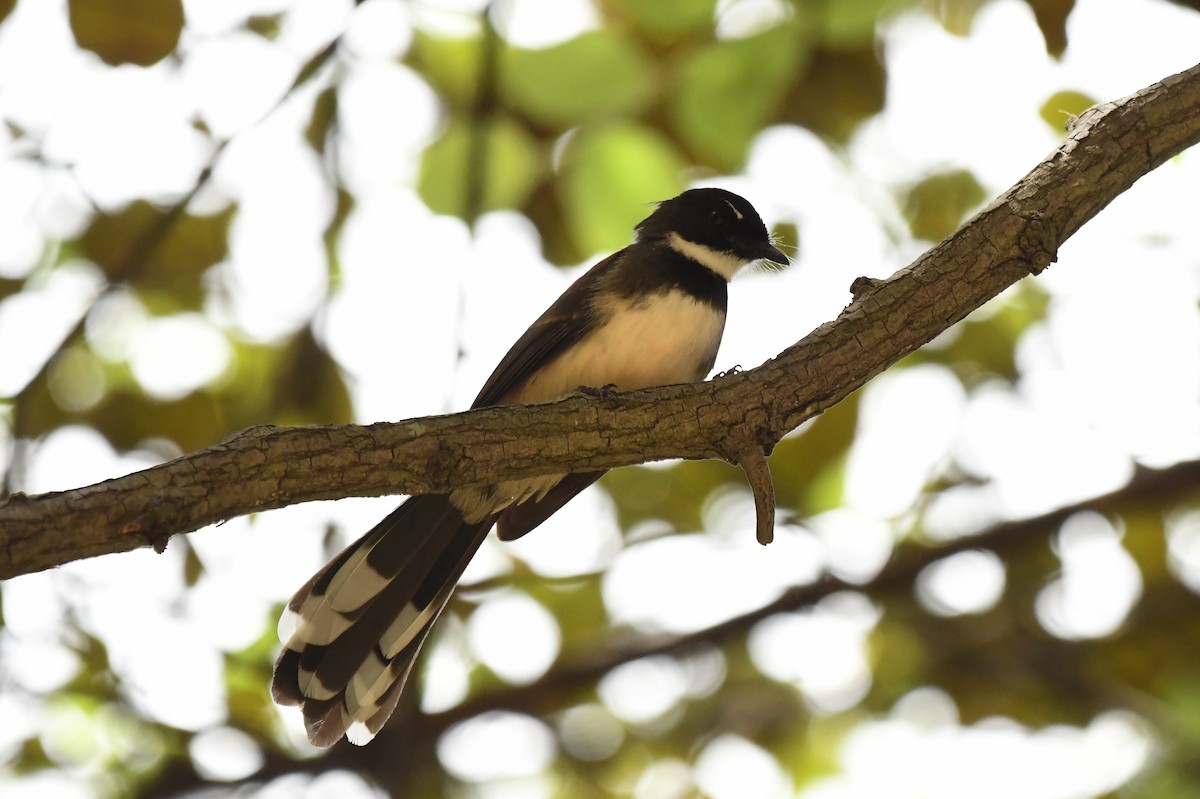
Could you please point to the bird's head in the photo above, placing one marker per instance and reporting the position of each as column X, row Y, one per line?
column 713, row 227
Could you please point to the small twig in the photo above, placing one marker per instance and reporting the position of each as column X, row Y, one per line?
column 758, row 474
column 862, row 286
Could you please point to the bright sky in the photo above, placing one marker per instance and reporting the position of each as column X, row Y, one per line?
column 1123, row 333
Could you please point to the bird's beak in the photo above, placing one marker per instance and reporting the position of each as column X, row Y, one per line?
column 767, row 252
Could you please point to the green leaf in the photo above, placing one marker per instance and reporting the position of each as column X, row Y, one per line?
column 114, row 241
column 1051, row 16
column 141, row 32
column 345, row 205
column 786, row 236
column 850, row 24
column 609, row 175
column 30, row 758
column 267, row 26
column 666, row 19
column 578, row 607
column 299, row 383
column 675, row 495
column 309, row 387
column 246, row 684
column 981, row 348
column 10, row 286
column 451, row 65
column 545, row 210
column 1145, row 539
column 1061, row 106
column 511, row 159
column 637, row 492
column 193, row 566
column 839, row 90
column 592, row 76
column 76, row 378
column 958, row 16
column 313, row 66
column 127, row 418
column 730, row 90
column 161, row 254
column 937, row 205
column 94, row 677
column 324, row 115
column 807, row 467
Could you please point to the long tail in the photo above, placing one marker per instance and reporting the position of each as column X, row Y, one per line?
column 361, row 620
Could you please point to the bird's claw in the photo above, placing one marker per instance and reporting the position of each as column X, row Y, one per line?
column 603, row 392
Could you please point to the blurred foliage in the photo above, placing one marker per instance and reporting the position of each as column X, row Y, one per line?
column 591, row 77
column 740, row 82
column 935, row 206
column 982, row 347
column 160, row 253
column 140, row 32
column 576, row 137
column 1051, row 16
column 294, row 383
column 632, row 105
column 510, row 159
column 852, row 84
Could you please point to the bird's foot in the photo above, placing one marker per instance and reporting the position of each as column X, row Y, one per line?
column 603, row 392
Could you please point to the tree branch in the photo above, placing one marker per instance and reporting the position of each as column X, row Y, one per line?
column 1108, row 148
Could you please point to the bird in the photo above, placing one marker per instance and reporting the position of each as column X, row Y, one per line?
column 650, row 314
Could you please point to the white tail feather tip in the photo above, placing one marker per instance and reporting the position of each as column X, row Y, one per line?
column 288, row 622
column 358, row 734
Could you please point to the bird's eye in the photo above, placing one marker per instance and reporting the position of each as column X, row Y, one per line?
column 719, row 220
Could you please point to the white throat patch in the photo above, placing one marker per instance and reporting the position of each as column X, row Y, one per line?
column 725, row 264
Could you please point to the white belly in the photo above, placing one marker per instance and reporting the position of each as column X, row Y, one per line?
column 670, row 338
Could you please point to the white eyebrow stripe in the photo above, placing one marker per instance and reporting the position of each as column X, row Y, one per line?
column 736, row 212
